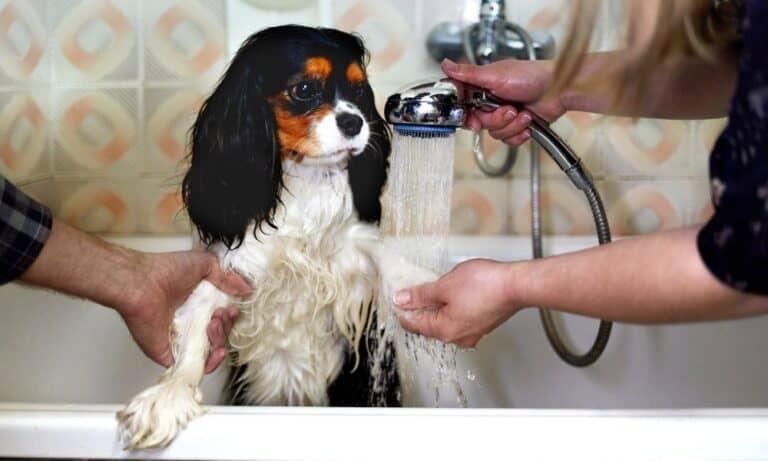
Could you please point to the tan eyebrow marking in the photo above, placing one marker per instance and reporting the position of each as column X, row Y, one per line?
column 355, row 73
column 319, row 68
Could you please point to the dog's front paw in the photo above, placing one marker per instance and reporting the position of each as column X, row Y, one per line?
column 154, row 417
column 410, row 275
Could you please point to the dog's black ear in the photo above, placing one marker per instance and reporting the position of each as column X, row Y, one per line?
column 368, row 171
column 235, row 175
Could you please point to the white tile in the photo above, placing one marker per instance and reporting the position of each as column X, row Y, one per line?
column 245, row 17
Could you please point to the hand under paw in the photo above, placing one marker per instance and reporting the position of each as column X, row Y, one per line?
column 411, row 275
column 154, row 417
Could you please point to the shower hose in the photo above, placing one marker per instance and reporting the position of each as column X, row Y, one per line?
column 583, row 182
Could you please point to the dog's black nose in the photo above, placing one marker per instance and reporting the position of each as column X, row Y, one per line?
column 349, row 124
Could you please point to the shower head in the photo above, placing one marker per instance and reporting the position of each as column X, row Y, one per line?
column 427, row 109
column 438, row 108
column 435, row 108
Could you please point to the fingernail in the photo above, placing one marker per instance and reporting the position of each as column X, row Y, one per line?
column 510, row 115
column 402, row 297
column 221, row 329
column 526, row 118
column 450, row 65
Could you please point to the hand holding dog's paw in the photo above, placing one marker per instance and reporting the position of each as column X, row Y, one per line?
column 462, row 306
column 154, row 417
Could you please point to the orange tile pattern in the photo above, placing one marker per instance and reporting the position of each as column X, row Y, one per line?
column 96, row 100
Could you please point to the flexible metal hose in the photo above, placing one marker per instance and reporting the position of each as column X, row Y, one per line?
column 604, row 237
column 603, row 234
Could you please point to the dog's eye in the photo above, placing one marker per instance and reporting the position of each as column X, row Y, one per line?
column 306, row 90
column 358, row 91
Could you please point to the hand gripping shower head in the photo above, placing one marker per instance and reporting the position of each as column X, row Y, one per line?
column 439, row 108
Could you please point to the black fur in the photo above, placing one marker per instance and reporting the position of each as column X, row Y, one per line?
column 235, row 176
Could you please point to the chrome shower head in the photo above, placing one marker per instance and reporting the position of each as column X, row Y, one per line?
column 427, row 109
column 438, row 108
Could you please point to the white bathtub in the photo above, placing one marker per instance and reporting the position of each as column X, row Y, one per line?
column 680, row 392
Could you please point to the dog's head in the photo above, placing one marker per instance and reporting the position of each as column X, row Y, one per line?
column 291, row 94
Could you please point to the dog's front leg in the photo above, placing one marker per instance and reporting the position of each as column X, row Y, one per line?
column 395, row 271
column 154, row 417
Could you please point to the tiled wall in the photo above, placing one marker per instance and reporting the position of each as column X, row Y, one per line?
column 163, row 55
column 95, row 101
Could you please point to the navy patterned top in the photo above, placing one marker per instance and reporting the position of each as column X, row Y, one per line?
column 734, row 243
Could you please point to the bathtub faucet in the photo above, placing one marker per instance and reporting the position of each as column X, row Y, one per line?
column 491, row 39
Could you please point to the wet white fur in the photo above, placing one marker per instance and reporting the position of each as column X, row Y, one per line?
column 313, row 279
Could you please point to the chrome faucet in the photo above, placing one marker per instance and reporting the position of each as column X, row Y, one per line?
column 491, row 39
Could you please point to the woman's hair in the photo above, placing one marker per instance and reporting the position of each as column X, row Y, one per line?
column 654, row 33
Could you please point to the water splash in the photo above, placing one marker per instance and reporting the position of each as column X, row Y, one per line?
column 417, row 209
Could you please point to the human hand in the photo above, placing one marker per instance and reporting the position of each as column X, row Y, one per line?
column 524, row 82
column 462, row 306
column 167, row 280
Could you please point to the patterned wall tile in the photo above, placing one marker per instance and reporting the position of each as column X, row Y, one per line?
column 98, row 206
column 479, row 207
column 161, row 207
column 184, row 40
column 391, row 33
column 646, row 147
column 582, row 132
column 701, row 208
column 641, row 207
column 24, row 153
column 564, row 209
column 24, row 42
column 704, row 135
column 96, row 132
column 95, row 40
column 42, row 191
column 170, row 114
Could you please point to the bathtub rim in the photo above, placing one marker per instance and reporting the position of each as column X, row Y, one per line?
column 89, row 431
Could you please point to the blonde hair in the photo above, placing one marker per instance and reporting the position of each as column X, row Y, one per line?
column 655, row 32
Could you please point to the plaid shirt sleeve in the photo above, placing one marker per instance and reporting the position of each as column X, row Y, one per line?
column 24, row 229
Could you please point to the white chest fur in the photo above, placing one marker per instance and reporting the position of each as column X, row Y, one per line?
column 313, row 287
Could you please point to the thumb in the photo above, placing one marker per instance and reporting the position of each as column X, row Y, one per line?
column 467, row 73
column 423, row 322
column 228, row 282
column 418, row 297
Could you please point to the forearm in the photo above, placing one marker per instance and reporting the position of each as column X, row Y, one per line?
column 76, row 263
column 690, row 88
column 658, row 278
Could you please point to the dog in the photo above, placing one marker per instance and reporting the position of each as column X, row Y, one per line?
column 289, row 159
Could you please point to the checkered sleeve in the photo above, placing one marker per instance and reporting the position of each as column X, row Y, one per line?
column 24, row 228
